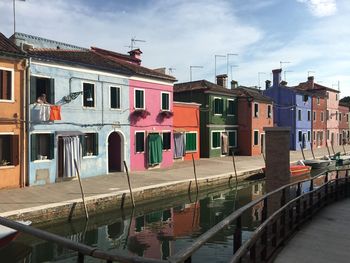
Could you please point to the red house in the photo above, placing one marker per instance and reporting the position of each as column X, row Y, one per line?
column 343, row 123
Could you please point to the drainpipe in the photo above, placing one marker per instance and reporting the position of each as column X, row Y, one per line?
column 102, row 110
column 26, row 100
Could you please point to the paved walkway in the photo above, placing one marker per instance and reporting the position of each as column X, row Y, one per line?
column 324, row 239
column 12, row 200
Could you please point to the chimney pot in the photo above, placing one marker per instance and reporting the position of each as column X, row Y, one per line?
column 310, row 81
column 221, row 80
column 276, row 77
column 136, row 54
column 234, row 84
column 267, row 84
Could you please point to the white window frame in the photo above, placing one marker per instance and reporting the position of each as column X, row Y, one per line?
column 161, row 100
column 93, row 155
column 144, row 144
column 257, row 114
column 144, row 99
column 235, row 132
column 12, row 85
column 211, row 140
column 120, row 97
column 166, row 131
column 82, row 97
column 218, row 114
column 196, row 141
column 11, row 134
column 254, row 137
column 228, row 107
column 269, row 106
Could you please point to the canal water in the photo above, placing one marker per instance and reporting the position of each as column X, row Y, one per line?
column 157, row 230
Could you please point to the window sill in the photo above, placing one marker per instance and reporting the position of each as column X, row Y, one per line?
column 217, row 114
column 192, row 151
column 7, row 101
column 115, row 109
column 166, row 150
column 89, row 156
column 139, row 152
column 88, row 108
column 42, row 161
column 231, row 115
column 7, row 167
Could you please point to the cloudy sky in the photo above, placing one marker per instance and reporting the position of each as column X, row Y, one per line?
column 313, row 35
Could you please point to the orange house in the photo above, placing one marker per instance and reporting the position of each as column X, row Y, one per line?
column 254, row 113
column 186, row 130
column 12, row 139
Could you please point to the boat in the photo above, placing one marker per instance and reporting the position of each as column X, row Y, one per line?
column 318, row 164
column 296, row 170
column 8, row 234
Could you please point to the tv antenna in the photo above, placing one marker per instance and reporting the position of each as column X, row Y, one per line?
column 171, row 70
column 133, row 42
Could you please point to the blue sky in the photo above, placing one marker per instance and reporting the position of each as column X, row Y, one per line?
column 311, row 34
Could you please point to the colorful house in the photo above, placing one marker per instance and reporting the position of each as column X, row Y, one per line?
column 218, row 114
column 151, row 112
column 255, row 112
column 292, row 108
column 343, row 123
column 12, row 115
column 186, row 130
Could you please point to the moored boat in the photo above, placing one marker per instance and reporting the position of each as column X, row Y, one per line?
column 318, row 164
column 296, row 170
column 8, row 234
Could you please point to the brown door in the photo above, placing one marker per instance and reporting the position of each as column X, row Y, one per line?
column 114, row 152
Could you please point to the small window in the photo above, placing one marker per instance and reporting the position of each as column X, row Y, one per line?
column 90, row 144
column 6, row 85
column 256, row 110
column 336, row 96
column 140, row 142
column 191, row 141
column 218, row 106
column 314, row 138
column 308, row 136
column 166, row 140
column 322, row 116
column 231, row 108
column 308, row 115
column 318, row 100
column 336, row 115
column 115, row 97
column 256, row 137
column 9, row 150
column 299, row 115
column 165, row 101
column 89, row 95
column 300, row 136
column 42, row 146
column 232, row 139
column 327, row 134
column 327, row 115
column 139, row 99
column 314, row 115
column 339, row 116
column 215, row 140
column 42, row 90
column 305, row 98
column 269, row 111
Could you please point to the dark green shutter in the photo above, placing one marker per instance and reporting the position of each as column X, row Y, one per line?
column 82, row 143
column 96, row 144
column 232, row 139
column 191, row 141
column 52, row 146
column 113, row 97
column 33, row 95
column 118, row 98
column 15, row 150
column 33, row 147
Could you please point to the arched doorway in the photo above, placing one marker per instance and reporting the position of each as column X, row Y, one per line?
column 114, row 152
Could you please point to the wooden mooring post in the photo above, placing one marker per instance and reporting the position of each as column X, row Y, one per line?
column 130, row 189
column 343, row 144
column 81, row 190
column 333, row 148
column 302, row 151
column 329, row 152
column 195, row 174
column 312, row 150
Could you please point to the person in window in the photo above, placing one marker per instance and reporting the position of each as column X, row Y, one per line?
column 42, row 99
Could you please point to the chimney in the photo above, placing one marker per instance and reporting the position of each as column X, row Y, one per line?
column 234, row 84
column 267, row 84
column 160, row 70
column 136, row 54
column 276, row 77
column 310, row 82
column 221, row 80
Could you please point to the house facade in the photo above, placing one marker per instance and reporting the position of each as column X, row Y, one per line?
column 255, row 112
column 292, row 108
column 343, row 123
column 12, row 115
column 186, row 130
column 218, row 115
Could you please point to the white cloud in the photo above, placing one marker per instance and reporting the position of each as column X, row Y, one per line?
column 321, row 8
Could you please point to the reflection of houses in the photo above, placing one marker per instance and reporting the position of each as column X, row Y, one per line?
column 343, row 122
column 12, row 137
column 292, row 108
column 218, row 114
column 186, row 219
column 186, row 130
column 89, row 100
column 257, row 192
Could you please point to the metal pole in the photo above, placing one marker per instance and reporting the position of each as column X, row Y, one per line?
column 195, row 174
column 127, row 174
column 81, row 189
column 221, row 56
column 14, row 16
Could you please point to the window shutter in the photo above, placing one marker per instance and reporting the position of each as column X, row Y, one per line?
column 82, row 142
column 52, row 91
column 33, row 95
column 52, row 146
column 33, row 145
column 15, row 150
column 96, row 144
column 113, row 97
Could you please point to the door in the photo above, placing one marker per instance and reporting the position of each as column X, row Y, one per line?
column 114, row 152
column 262, row 143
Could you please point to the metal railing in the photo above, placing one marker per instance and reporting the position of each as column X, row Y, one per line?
column 294, row 208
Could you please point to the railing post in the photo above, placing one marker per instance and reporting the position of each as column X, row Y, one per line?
column 298, row 205
column 264, row 211
column 326, row 188
column 311, row 197
column 346, row 183
column 336, row 185
column 80, row 257
column 283, row 197
column 237, row 236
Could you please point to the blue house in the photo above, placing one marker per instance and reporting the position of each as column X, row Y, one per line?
column 292, row 108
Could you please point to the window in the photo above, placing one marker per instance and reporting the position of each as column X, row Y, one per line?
column 336, row 96
column 305, row 98
column 308, row 115
column 336, row 115
column 40, row 86
column 339, row 116
column 308, row 136
column 218, row 106
column 347, row 117
column 314, row 138
column 269, row 111
column 314, row 115
column 6, row 84
column 327, row 134
column 90, row 144
column 232, row 139
column 139, row 99
column 88, row 95
column 9, row 150
column 115, row 97
column 256, row 137
column 140, row 142
column 165, row 101
column 42, row 146
column 215, row 140
column 191, row 141
column 300, row 136
column 231, row 111
column 322, row 116
column 299, row 115
column 166, row 140
column 318, row 100
column 256, row 110
column 327, row 115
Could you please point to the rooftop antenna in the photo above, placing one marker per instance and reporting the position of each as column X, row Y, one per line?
column 171, row 70
column 133, row 42
column 283, row 62
column 310, row 71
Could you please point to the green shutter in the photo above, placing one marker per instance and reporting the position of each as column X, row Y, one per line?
column 52, row 91
column 96, row 144
column 155, row 147
column 52, row 146
column 113, row 97
column 33, row 147
column 232, row 139
column 216, row 139
column 118, row 98
column 191, row 142
column 33, row 95
column 15, row 150
column 82, row 142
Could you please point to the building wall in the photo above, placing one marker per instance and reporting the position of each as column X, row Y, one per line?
column 152, row 123
column 186, row 117
column 343, row 124
column 10, row 176
column 332, row 123
column 319, row 126
column 245, row 114
column 304, row 125
column 75, row 117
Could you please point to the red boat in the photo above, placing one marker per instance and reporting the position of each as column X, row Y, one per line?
column 8, row 234
column 296, row 170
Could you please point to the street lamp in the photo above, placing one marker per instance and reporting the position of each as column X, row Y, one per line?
column 217, row 56
column 191, row 67
column 260, row 73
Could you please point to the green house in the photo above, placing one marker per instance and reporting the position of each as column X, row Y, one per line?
column 218, row 115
